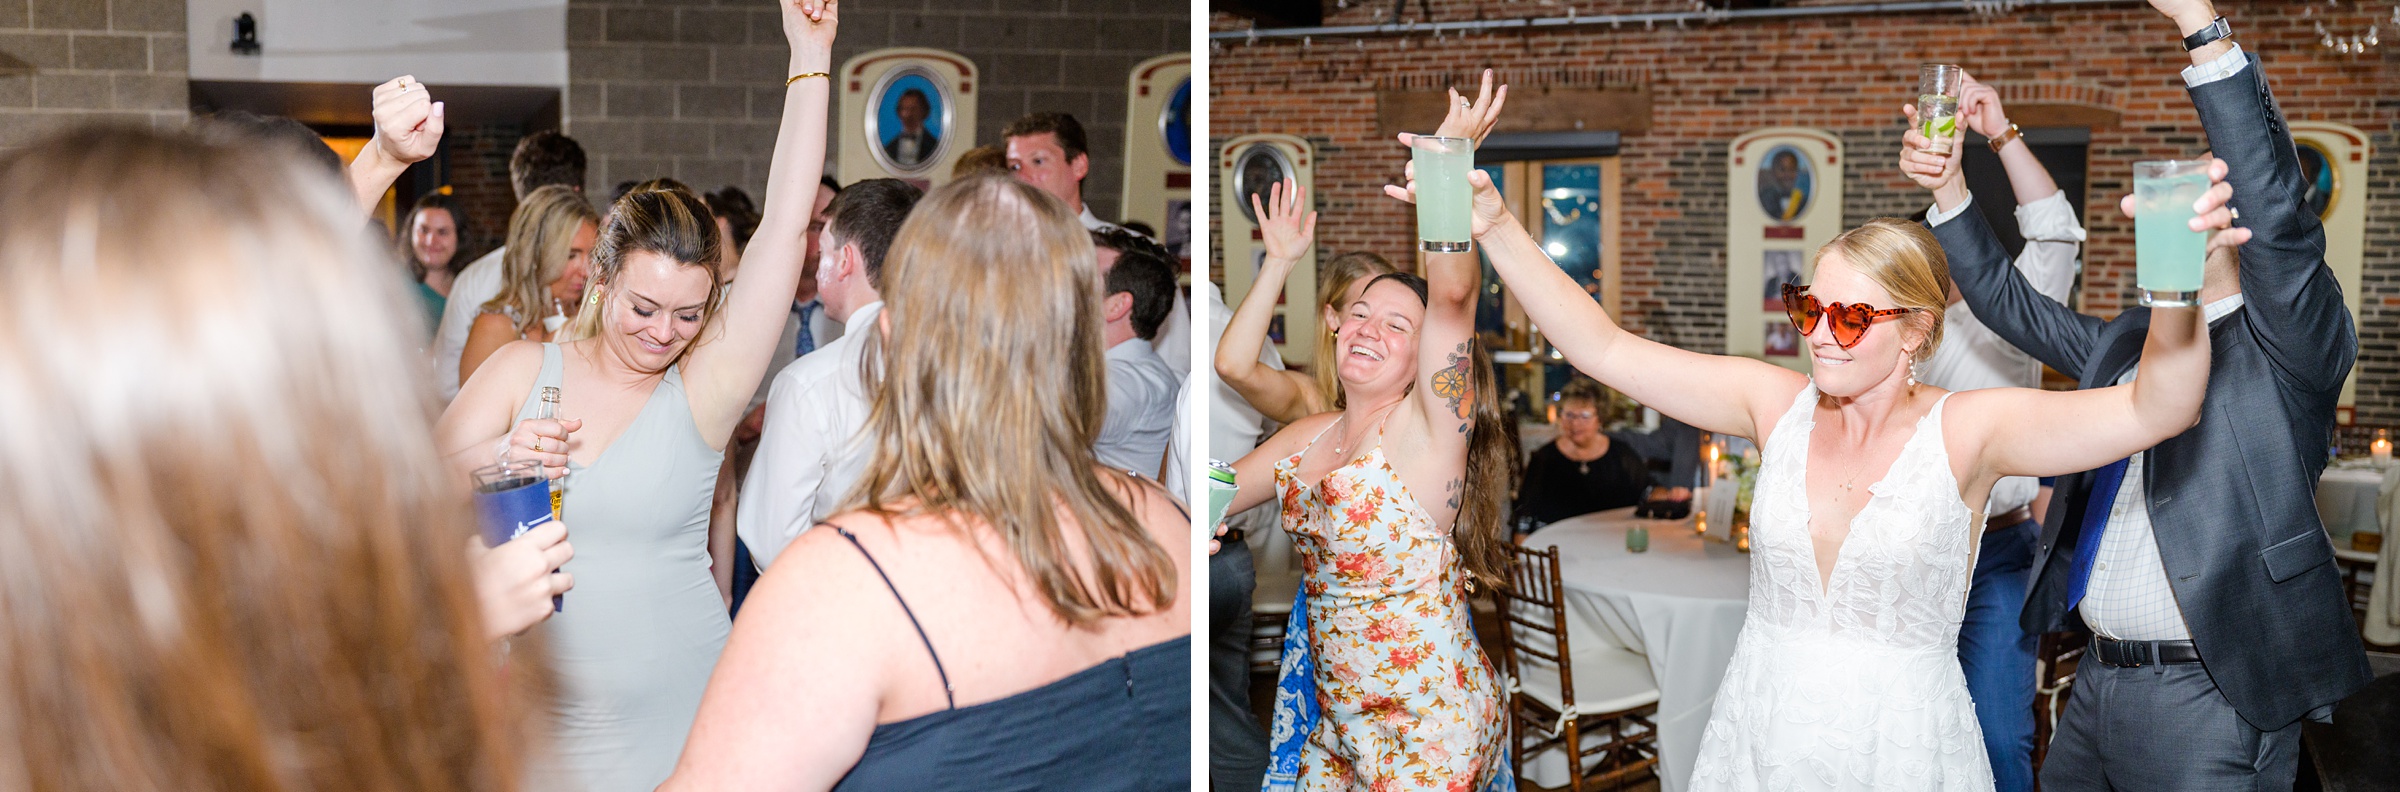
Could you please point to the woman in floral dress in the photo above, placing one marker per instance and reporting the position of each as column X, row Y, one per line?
column 1394, row 505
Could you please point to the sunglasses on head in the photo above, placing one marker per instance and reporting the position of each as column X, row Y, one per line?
column 1850, row 320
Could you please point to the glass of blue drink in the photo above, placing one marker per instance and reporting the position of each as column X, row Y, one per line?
column 1445, row 202
column 2168, row 255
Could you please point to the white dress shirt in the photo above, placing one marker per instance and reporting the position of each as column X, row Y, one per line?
column 474, row 286
column 1178, row 473
column 1972, row 356
column 809, row 453
column 823, row 329
column 2128, row 598
column 1141, row 408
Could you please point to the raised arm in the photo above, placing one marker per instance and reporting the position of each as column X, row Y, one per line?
column 408, row 127
column 1717, row 393
column 2301, row 319
column 1980, row 266
column 2019, row 429
column 1282, row 396
column 1445, row 391
column 724, row 372
column 2053, row 236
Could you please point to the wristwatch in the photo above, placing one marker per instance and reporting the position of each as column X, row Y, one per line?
column 2001, row 140
column 2217, row 29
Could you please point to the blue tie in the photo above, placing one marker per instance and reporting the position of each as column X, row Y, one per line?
column 808, row 340
column 2095, row 522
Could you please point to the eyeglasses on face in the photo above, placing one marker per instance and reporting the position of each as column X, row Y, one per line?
column 1850, row 320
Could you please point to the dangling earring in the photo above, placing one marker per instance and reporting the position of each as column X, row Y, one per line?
column 592, row 297
column 1912, row 370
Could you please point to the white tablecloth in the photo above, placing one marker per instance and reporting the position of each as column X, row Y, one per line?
column 1681, row 604
column 2346, row 502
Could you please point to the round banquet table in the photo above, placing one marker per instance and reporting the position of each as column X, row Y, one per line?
column 1680, row 604
column 2346, row 501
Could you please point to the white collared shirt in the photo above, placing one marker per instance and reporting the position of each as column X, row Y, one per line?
column 822, row 328
column 474, row 286
column 810, row 453
column 1972, row 356
column 2128, row 598
column 1141, row 409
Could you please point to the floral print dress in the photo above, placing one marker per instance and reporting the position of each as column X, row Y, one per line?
column 1408, row 701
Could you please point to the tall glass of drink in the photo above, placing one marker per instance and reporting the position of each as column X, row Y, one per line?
column 1938, row 86
column 1445, row 202
column 2168, row 255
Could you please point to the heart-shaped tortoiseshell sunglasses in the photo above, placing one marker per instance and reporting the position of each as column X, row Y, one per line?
column 1850, row 320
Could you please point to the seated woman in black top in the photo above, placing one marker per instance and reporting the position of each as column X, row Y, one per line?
column 991, row 609
column 1583, row 471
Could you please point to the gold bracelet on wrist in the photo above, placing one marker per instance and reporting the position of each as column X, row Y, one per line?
column 798, row 77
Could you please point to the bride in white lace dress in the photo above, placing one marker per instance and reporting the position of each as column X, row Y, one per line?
column 1870, row 502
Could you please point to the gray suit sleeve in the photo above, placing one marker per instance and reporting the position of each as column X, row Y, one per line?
column 2301, row 321
column 2012, row 308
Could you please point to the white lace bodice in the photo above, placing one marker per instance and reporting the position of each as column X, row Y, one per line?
column 1901, row 576
column 1853, row 684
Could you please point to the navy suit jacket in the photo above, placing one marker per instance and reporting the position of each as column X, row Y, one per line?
column 2232, row 500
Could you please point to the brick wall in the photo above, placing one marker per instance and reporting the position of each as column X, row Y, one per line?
column 479, row 181
column 693, row 89
column 64, row 62
column 1848, row 74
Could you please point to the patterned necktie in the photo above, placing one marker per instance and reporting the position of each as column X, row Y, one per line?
column 808, row 340
column 2095, row 521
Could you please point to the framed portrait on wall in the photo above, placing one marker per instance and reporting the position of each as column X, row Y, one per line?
column 1786, row 184
column 1175, row 123
column 1783, row 340
column 1776, row 268
column 908, row 119
column 1256, row 170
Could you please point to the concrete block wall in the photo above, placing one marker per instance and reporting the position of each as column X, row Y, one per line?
column 64, row 62
column 693, row 88
column 1847, row 74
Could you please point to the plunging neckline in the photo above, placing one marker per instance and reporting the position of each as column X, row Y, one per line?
column 1808, row 506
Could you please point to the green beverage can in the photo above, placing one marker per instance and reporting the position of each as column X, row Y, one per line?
column 1445, row 202
column 1221, row 488
column 2169, row 256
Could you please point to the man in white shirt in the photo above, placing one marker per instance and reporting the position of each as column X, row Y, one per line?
column 1237, row 746
column 1047, row 150
column 1994, row 650
column 1141, row 388
column 810, row 453
column 809, row 326
column 542, row 159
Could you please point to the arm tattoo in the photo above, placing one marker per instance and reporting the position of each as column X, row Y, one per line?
column 1455, row 383
column 1456, row 488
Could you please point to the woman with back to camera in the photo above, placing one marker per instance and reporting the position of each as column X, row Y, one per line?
column 1869, row 498
column 1285, row 396
column 1393, row 503
column 550, row 242
column 1584, row 470
column 229, row 556
column 651, row 386
column 994, row 609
